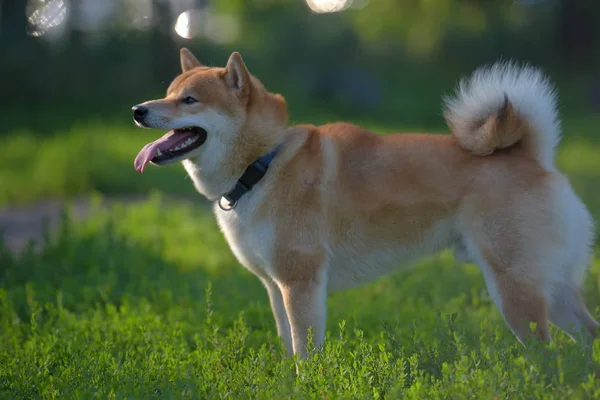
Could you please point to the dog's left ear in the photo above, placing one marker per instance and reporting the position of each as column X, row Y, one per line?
column 187, row 59
column 237, row 76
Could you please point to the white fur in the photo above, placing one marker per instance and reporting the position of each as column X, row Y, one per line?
column 569, row 259
column 529, row 91
column 252, row 243
column 206, row 165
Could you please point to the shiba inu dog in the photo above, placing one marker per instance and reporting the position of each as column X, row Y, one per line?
column 314, row 209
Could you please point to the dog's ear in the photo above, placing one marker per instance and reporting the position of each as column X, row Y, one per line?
column 237, row 76
column 188, row 61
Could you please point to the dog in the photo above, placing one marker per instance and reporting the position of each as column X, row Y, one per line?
column 315, row 209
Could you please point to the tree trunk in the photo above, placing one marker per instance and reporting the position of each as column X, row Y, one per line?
column 578, row 31
column 13, row 21
column 162, row 48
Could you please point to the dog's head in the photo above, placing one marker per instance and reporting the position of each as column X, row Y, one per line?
column 219, row 121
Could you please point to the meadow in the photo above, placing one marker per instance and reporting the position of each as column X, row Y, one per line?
column 145, row 300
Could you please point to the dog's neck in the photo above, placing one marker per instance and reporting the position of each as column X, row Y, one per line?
column 251, row 176
column 218, row 179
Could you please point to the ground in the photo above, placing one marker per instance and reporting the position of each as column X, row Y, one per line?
column 135, row 294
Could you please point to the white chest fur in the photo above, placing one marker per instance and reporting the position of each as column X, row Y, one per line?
column 251, row 242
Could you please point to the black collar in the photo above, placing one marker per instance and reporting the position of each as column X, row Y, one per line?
column 253, row 174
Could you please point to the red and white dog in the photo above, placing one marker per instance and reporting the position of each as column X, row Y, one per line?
column 313, row 209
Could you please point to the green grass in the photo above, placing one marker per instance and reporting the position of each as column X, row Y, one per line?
column 147, row 301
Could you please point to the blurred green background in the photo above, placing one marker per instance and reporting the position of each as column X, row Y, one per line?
column 73, row 68
column 79, row 59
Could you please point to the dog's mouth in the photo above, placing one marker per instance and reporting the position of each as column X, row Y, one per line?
column 171, row 147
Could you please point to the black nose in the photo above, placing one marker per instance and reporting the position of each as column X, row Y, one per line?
column 139, row 112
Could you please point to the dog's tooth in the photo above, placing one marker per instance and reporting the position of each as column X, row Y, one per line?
column 158, row 153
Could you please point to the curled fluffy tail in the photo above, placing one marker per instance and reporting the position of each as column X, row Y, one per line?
column 504, row 104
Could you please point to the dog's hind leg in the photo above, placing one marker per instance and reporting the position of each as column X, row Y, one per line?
column 515, row 285
column 519, row 300
column 569, row 313
column 523, row 303
column 461, row 253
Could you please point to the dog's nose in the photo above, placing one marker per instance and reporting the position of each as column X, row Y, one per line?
column 139, row 112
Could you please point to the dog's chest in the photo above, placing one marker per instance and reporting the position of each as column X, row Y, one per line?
column 252, row 243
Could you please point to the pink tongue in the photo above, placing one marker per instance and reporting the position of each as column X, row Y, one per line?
column 171, row 139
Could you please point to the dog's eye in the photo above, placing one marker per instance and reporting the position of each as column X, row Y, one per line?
column 189, row 100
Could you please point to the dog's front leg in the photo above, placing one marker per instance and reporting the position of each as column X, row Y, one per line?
column 279, row 313
column 306, row 305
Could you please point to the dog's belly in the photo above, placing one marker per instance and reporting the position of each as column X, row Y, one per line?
column 356, row 262
column 350, row 270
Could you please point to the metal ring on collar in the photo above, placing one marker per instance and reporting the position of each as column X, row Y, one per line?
column 229, row 207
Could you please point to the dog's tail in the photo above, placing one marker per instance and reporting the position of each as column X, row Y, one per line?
column 504, row 104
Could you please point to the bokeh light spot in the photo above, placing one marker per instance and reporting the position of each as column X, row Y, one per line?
column 183, row 27
column 139, row 13
column 328, row 6
column 218, row 28
column 49, row 16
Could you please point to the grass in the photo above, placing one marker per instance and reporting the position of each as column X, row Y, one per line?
column 147, row 301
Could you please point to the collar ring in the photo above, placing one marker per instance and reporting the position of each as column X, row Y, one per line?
column 228, row 207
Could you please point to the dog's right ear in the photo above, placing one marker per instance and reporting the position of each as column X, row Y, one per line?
column 188, row 61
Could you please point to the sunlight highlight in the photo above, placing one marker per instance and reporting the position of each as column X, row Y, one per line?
column 218, row 28
column 328, row 6
column 47, row 17
column 183, row 26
